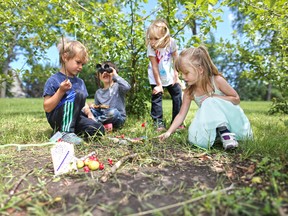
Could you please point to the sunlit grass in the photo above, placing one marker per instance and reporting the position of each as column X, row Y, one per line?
column 23, row 121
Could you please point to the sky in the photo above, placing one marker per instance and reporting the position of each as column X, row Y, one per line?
column 224, row 30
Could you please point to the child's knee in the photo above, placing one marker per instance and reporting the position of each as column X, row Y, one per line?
column 96, row 129
column 113, row 113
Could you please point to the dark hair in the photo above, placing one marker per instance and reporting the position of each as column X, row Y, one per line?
column 111, row 64
column 101, row 68
column 106, row 67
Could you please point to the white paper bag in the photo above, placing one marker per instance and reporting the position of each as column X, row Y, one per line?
column 63, row 158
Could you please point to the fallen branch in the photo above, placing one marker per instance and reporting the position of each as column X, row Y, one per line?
column 87, row 156
column 31, row 191
column 281, row 211
column 213, row 193
column 107, row 174
column 19, row 146
column 12, row 192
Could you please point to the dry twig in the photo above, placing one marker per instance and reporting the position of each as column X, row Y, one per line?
column 107, row 174
column 213, row 193
column 12, row 192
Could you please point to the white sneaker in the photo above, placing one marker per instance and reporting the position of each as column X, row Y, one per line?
column 229, row 141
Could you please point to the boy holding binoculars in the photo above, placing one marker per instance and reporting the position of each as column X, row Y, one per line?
column 109, row 99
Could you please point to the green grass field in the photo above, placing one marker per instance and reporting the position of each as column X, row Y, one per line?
column 258, row 168
column 23, row 121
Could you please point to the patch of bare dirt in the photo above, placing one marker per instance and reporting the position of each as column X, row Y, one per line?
column 134, row 187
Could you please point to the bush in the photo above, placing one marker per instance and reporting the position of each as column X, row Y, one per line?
column 278, row 106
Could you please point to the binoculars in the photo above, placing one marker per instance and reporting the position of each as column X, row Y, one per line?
column 104, row 68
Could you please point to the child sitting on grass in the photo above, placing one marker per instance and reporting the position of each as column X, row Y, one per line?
column 109, row 107
column 65, row 96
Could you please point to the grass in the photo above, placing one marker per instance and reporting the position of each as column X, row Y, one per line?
column 258, row 167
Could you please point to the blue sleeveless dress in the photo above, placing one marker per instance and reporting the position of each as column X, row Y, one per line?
column 214, row 112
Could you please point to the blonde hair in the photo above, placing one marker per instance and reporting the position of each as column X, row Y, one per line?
column 194, row 58
column 71, row 49
column 158, row 29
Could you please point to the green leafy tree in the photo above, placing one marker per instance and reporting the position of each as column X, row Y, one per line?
column 28, row 28
column 119, row 37
column 191, row 21
column 226, row 57
column 111, row 30
column 264, row 49
column 34, row 79
column 118, row 34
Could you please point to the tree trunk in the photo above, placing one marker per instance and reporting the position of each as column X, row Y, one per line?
column 269, row 91
column 4, row 83
column 5, row 70
column 193, row 27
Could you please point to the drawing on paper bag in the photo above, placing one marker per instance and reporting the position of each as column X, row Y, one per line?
column 63, row 158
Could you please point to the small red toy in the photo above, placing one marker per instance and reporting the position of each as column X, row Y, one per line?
column 86, row 169
column 101, row 166
column 110, row 162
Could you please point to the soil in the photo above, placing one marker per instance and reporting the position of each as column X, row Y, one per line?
column 135, row 187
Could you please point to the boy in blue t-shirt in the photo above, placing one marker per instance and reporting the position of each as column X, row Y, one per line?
column 65, row 96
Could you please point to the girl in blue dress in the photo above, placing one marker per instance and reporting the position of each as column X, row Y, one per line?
column 218, row 103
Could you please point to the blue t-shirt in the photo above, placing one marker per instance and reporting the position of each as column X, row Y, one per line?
column 53, row 83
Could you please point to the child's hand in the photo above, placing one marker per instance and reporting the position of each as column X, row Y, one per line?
column 176, row 80
column 114, row 73
column 90, row 105
column 65, row 85
column 164, row 136
column 157, row 89
column 91, row 116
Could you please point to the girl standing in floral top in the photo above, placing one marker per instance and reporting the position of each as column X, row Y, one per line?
column 162, row 51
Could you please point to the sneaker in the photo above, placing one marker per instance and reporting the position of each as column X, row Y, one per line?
column 71, row 138
column 159, row 125
column 229, row 141
column 108, row 127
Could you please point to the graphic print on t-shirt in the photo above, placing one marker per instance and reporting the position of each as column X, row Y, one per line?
column 162, row 72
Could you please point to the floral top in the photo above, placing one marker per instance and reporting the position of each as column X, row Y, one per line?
column 164, row 58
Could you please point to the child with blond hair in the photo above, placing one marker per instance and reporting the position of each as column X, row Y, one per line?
column 219, row 112
column 65, row 96
column 162, row 51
